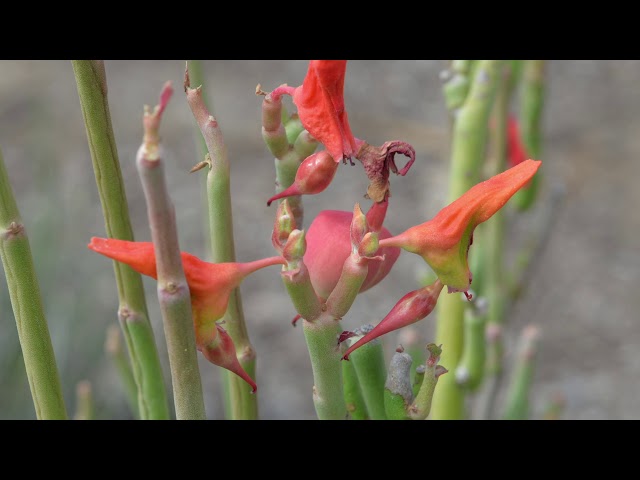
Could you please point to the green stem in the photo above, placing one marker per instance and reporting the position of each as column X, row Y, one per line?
column 244, row 404
column 468, row 151
column 33, row 332
column 132, row 311
column 84, row 401
column 173, row 291
column 421, row 406
column 352, row 393
column 325, row 353
column 113, row 347
column 371, row 369
column 470, row 370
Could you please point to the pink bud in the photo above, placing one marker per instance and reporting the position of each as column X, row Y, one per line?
column 414, row 306
column 329, row 245
column 313, row 176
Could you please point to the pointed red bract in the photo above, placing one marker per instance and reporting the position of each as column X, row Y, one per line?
column 320, row 102
column 313, row 176
column 444, row 241
column 414, row 306
column 210, row 286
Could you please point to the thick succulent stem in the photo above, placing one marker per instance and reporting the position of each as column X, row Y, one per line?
column 371, row 369
column 326, row 354
column 517, row 402
column 84, row 401
column 244, row 404
column 113, row 347
column 468, row 151
column 132, row 311
column 353, row 394
column 33, row 332
column 173, row 291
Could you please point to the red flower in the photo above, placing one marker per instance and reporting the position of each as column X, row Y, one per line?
column 444, row 241
column 515, row 147
column 210, row 285
column 320, row 102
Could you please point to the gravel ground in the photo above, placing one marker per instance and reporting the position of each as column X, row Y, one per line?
column 576, row 290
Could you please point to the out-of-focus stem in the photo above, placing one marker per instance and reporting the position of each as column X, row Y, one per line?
column 517, row 402
column 244, row 404
column 371, row 369
column 468, row 151
column 84, row 401
column 173, row 291
column 470, row 370
column 132, row 311
column 533, row 91
column 496, row 285
column 325, row 353
column 352, row 394
column 411, row 341
column 113, row 347
column 24, row 291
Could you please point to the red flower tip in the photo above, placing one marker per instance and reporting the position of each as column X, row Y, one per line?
column 444, row 241
column 313, row 176
column 329, row 245
column 222, row 352
column 515, row 147
column 320, row 102
column 414, row 306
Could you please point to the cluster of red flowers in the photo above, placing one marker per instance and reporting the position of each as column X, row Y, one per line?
column 443, row 242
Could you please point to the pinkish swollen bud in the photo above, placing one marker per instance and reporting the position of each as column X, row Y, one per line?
column 414, row 306
column 313, row 176
column 329, row 245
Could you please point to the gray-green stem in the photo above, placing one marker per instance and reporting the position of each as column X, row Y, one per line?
column 24, row 291
column 468, row 151
column 244, row 404
column 173, row 291
column 132, row 311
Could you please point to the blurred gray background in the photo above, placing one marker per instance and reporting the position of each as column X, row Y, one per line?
column 581, row 290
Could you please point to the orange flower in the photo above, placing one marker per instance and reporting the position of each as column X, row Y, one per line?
column 210, row 285
column 444, row 241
